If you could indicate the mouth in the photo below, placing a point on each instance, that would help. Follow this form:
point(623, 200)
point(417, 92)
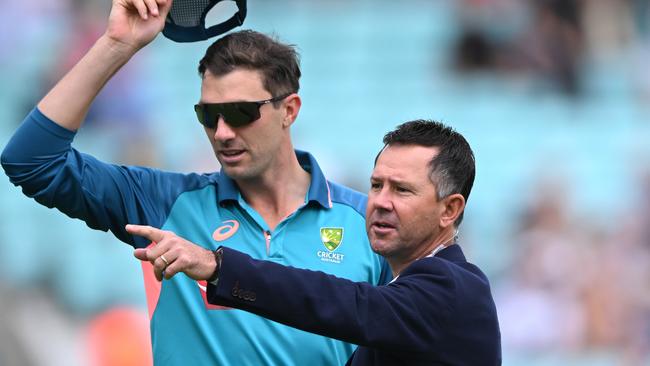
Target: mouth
point(382, 227)
point(231, 155)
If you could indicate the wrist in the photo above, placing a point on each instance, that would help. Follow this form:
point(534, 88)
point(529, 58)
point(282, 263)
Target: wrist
point(117, 48)
point(218, 255)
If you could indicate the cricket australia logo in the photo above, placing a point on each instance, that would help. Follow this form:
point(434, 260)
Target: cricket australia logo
point(331, 237)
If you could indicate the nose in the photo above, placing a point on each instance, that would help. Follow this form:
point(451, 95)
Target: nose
point(222, 131)
point(381, 199)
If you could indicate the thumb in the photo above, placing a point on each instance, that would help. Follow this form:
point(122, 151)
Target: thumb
point(141, 254)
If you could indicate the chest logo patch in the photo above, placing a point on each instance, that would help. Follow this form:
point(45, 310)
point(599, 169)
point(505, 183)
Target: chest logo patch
point(225, 231)
point(331, 237)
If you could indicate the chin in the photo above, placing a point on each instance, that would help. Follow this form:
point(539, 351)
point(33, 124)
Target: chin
point(237, 172)
point(380, 247)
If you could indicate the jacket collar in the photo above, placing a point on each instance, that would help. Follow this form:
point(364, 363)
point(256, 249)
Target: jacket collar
point(452, 253)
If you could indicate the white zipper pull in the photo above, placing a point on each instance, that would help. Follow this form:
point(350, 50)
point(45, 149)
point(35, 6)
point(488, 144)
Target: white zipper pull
point(267, 236)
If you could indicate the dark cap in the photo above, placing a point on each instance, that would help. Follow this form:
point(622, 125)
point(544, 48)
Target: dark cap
point(186, 20)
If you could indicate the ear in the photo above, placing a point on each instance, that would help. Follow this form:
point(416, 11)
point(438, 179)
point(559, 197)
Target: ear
point(291, 107)
point(453, 206)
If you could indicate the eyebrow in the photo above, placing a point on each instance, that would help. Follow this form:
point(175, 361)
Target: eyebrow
point(390, 179)
point(204, 102)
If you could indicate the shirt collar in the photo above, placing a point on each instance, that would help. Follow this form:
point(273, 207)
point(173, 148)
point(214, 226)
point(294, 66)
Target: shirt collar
point(319, 190)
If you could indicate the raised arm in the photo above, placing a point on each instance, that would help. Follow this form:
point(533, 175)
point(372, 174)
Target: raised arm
point(40, 159)
point(132, 24)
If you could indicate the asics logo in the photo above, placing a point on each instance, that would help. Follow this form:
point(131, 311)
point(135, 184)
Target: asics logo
point(225, 231)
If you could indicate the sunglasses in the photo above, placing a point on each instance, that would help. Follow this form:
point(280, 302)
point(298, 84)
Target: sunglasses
point(235, 114)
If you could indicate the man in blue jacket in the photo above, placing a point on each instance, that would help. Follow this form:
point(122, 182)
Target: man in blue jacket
point(438, 310)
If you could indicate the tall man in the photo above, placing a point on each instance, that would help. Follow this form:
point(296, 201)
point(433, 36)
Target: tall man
point(437, 311)
point(268, 201)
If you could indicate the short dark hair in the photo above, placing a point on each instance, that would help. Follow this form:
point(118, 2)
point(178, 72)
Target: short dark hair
point(453, 168)
point(277, 62)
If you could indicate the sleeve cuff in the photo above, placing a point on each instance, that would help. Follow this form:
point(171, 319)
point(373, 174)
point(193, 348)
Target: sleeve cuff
point(49, 125)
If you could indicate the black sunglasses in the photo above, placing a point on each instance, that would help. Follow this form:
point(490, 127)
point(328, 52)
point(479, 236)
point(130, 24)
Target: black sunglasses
point(236, 114)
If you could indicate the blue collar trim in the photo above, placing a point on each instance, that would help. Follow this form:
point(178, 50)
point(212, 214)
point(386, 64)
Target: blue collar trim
point(319, 190)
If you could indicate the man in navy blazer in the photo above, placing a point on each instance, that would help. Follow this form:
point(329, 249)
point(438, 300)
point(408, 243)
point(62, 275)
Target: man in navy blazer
point(438, 310)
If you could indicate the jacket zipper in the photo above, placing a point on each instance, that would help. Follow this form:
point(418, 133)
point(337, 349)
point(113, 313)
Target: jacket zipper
point(267, 236)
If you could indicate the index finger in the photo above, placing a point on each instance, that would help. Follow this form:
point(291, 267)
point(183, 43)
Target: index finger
point(148, 232)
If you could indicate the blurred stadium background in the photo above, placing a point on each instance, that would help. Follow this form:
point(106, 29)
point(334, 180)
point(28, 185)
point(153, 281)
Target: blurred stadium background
point(554, 97)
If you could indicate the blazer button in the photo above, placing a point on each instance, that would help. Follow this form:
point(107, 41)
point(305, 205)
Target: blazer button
point(235, 290)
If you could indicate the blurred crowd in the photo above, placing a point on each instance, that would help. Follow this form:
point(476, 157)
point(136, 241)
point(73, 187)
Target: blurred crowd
point(579, 282)
point(573, 286)
point(551, 40)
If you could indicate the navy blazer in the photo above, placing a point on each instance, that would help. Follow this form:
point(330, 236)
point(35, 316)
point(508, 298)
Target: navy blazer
point(439, 311)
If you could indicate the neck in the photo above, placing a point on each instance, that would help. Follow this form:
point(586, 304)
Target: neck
point(279, 191)
point(444, 239)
